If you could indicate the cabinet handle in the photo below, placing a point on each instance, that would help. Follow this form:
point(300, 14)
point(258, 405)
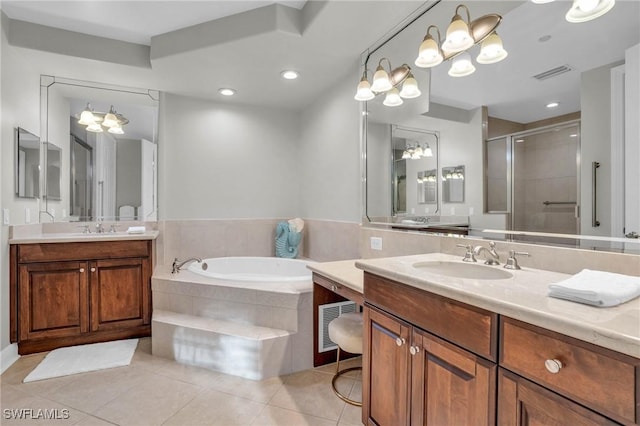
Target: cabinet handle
point(553, 366)
point(334, 288)
point(81, 270)
point(93, 269)
point(400, 341)
point(414, 350)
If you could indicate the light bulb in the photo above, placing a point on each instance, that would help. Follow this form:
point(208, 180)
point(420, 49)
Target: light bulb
point(410, 88)
point(458, 36)
point(462, 66)
point(363, 92)
point(381, 81)
point(429, 54)
point(587, 5)
point(393, 98)
point(491, 50)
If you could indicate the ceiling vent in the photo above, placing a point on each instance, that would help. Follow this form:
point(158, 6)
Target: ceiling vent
point(552, 72)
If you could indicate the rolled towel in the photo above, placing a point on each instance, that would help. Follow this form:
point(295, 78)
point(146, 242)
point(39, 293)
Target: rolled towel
point(296, 225)
point(597, 288)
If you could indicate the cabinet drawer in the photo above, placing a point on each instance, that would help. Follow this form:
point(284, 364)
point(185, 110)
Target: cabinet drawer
point(591, 375)
point(49, 252)
point(472, 328)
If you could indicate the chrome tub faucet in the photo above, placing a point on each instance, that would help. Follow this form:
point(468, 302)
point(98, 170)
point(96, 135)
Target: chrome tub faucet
point(178, 264)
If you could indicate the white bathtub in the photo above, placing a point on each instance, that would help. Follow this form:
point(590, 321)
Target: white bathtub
point(247, 316)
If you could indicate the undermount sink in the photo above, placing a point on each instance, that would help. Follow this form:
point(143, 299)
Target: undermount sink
point(463, 270)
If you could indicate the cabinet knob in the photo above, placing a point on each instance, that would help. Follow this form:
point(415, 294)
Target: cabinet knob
point(81, 270)
point(553, 366)
point(334, 288)
point(93, 269)
point(414, 350)
point(400, 341)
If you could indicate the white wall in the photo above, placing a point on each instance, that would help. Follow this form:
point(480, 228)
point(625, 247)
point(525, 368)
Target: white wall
point(329, 156)
point(227, 161)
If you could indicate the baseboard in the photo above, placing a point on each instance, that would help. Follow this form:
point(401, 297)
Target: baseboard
point(8, 356)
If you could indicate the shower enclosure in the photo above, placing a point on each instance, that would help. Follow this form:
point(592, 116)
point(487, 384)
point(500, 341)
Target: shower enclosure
point(538, 184)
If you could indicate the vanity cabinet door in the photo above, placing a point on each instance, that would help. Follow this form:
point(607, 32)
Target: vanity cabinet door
point(385, 370)
point(53, 300)
point(523, 403)
point(450, 386)
point(120, 293)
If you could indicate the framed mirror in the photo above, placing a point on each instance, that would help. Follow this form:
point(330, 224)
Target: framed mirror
point(428, 187)
point(549, 78)
point(53, 161)
point(108, 137)
point(453, 184)
point(27, 164)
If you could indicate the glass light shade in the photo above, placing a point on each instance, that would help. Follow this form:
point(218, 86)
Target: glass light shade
point(415, 156)
point(586, 10)
point(429, 54)
point(462, 66)
point(95, 128)
point(110, 120)
point(393, 98)
point(458, 36)
point(410, 88)
point(381, 82)
point(86, 118)
point(428, 152)
point(364, 93)
point(491, 50)
point(406, 155)
point(541, 1)
point(419, 152)
point(116, 130)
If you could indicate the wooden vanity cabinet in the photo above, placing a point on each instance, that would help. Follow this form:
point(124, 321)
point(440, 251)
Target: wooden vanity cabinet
point(65, 294)
point(413, 377)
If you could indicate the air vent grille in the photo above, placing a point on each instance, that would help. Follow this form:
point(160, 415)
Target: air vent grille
point(326, 313)
point(553, 72)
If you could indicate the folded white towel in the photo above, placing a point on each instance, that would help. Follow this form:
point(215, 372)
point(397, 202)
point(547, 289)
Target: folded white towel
point(136, 230)
point(597, 288)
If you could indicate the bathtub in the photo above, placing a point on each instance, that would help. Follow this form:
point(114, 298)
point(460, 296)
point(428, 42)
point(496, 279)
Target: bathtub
point(246, 316)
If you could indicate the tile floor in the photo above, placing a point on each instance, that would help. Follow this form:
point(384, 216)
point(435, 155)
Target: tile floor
point(156, 391)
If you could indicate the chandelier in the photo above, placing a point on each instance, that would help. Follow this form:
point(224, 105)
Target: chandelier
point(95, 121)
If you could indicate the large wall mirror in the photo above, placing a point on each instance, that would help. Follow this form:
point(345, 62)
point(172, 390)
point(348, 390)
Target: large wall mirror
point(106, 137)
point(551, 103)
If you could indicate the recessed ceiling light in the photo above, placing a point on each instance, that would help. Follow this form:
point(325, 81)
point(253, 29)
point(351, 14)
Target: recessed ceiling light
point(289, 74)
point(552, 104)
point(544, 38)
point(226, 92)
point(519, 140)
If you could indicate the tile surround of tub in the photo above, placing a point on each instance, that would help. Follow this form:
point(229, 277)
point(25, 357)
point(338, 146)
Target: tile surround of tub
point(329, 240)
point(557, 259)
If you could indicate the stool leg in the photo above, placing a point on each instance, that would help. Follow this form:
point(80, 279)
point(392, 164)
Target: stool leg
point(335, 378)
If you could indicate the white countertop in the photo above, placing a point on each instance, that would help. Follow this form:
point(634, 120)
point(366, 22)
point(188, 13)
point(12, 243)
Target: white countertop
point(78, 237)
point(522, 297)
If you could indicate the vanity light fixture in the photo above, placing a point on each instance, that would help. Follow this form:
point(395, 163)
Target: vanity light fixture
point(387, 81)
point(416, 151)
point(585, 10)
point(461, 36)
point(97, 121)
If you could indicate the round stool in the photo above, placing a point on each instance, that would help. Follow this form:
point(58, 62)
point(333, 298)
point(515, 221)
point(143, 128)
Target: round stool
point(346, 332)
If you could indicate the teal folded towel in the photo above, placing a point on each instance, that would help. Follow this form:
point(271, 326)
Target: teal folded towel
point(597, 288)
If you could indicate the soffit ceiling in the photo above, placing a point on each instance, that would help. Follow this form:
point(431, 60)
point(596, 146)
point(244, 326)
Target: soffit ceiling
point(199, 46)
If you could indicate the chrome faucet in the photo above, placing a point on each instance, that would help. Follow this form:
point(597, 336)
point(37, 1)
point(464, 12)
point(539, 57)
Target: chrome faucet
point(469, 256)
point(493, 260)
point(178, 264)
point(53, 218)
point(99, 228)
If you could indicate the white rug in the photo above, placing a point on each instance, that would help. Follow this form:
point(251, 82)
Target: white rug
point(83, 358)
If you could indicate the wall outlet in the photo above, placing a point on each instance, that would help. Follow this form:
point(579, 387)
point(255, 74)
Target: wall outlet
point(27, 215)
point(376, 243)
point(5, 216)
point(64, 212)
point(452, 211)
point(426, 210)
point(53, 212)
point(470, 211)
point(413, 210)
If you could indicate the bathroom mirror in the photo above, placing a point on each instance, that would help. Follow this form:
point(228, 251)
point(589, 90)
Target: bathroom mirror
point(53, 161)
point(108, 174)
point(466, 111)
point(453, 184)
point(27, 164)
point(428, 187)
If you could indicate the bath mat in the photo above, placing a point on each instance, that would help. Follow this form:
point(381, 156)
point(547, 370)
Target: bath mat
point(84, 358)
